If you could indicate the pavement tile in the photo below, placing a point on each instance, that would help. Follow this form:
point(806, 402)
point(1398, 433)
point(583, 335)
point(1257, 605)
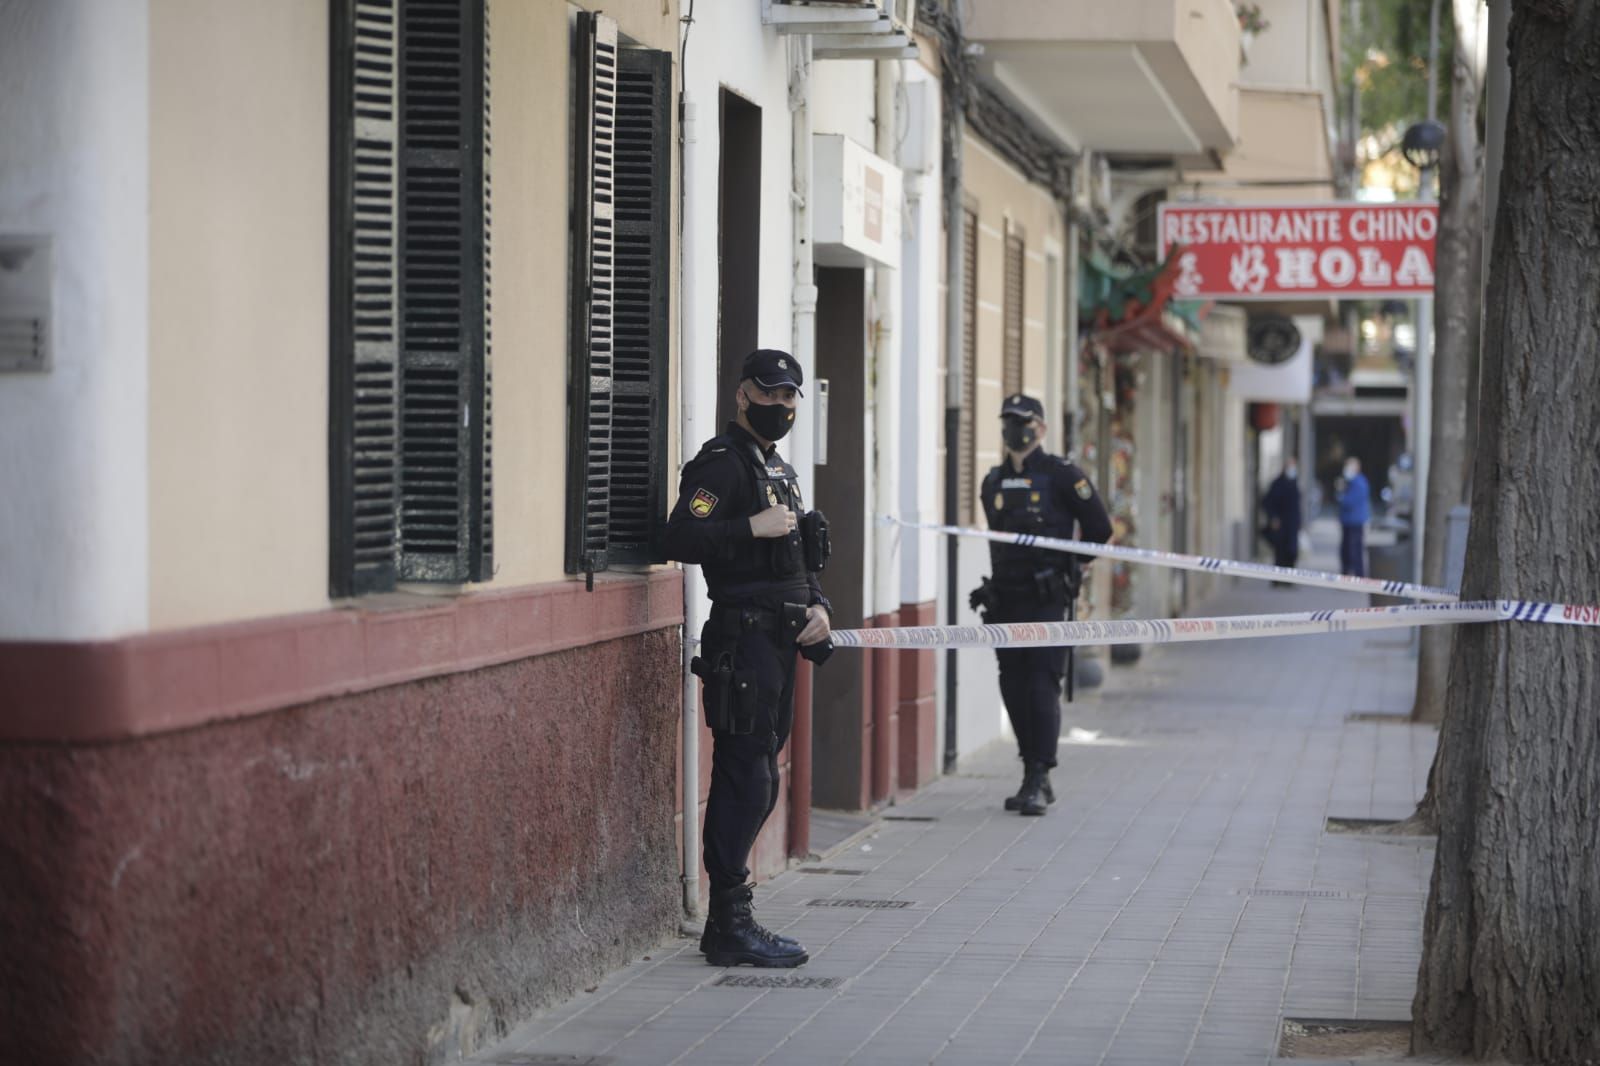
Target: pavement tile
point(1169, 909)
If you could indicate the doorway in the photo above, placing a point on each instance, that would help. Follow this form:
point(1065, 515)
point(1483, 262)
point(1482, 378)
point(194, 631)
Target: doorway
point(738, 244)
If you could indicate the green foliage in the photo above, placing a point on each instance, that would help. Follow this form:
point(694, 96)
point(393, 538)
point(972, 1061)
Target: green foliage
point(1388, 55)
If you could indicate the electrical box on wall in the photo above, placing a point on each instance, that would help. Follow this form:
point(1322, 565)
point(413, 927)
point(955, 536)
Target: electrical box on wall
point(24, 303)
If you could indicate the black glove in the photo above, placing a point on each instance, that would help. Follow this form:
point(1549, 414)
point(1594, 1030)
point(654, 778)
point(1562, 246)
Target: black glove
point(983, 598)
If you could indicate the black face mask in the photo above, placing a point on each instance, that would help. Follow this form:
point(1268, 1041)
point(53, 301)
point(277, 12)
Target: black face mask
point(771, 421)
point(1019, 436)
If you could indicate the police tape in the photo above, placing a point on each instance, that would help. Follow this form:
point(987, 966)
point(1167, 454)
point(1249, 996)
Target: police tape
point(1260, 571)
point(1233, 627)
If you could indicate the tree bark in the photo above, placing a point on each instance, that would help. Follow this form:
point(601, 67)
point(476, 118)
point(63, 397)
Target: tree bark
point(1511, 953)
point(1457, 308)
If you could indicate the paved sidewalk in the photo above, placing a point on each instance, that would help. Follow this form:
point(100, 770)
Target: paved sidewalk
point(1180, 899)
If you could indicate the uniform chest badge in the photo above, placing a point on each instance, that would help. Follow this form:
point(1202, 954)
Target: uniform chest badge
point(772, 495)
point(1034, 496)
point(999, 501)
point(702, 504)
point(1083, 488)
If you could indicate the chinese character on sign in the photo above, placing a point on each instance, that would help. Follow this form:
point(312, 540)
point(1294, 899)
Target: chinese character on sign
point(1189, 279)
point(1247, 269)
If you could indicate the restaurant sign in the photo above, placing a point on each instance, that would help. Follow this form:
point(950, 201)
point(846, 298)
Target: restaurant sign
point(1284, 251)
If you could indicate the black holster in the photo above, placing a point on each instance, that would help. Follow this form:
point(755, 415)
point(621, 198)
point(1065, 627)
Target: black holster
point(729, 696)
point(814, 542)
point(1059, 584)
point(1051, 586)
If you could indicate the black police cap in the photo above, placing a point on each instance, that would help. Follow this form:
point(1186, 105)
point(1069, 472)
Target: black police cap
point(1020, 406)
point(771, 369)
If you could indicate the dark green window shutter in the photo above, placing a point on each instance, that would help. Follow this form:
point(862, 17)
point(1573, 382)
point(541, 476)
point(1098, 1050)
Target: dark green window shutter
point(641, 316)
point(590, 279)
point(410, 466)
point(364, 302)
point(442, 365)
point(620, 287)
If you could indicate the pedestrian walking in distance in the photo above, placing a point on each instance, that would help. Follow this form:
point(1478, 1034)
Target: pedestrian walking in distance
point(1032, 491)
point(1282, 507)
point(1355, 510)
point(740, 516)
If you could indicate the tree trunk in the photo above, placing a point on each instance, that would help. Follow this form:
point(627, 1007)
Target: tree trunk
point(1511, 952)
point(1457, 308)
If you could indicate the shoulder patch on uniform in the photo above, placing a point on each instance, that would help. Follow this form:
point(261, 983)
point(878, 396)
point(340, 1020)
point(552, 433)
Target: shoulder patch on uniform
point(1085, 490)
point(702, 504)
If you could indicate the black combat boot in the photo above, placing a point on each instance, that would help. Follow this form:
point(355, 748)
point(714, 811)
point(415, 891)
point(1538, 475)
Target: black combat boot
point(1036, 795)
point(706, 937)
point(733, 937)
point(1014, 802)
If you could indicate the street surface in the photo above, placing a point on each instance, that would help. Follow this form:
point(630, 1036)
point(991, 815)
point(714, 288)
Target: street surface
point(1181, 898)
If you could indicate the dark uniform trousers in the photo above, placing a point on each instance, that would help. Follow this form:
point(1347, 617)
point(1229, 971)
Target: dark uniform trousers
point(1030, 678)
point(744, 766)
point(749, 580)
point(1046, 496)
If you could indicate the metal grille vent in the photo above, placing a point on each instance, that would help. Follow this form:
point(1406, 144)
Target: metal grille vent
point(865, 904)
point(774, 981)
point(24, 341)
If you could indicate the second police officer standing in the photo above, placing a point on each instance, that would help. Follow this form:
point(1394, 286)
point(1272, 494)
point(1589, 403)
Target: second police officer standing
point(740, 516)
point(1032, 491)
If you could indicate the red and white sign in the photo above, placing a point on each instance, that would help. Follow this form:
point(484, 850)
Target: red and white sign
point(1287, 251)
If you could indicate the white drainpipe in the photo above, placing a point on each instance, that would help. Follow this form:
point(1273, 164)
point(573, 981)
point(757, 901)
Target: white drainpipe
point(886, 370)
point(690, 800)
point(805, 287)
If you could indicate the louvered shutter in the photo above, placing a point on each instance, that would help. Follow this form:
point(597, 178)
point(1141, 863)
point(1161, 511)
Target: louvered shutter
point(1011, 349)
point(592, 317)
point(481, 565)
point(968, 469)
point(640, 315)
point(442, 374)
point(364, 303)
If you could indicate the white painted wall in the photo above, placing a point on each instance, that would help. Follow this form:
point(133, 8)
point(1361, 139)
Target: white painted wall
point(74, 163)
point(922, 335)
point(728, 46)
point(843, 94)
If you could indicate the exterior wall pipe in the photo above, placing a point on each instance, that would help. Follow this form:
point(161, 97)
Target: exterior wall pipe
point(886, 369)
point(886, 444)
point(690, 787)
point(804, 349)
point(954, 131)
point(1070, 344)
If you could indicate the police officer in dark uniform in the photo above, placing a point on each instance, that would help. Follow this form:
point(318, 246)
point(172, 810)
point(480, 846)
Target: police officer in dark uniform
point(1032, 491)
point(740, 516)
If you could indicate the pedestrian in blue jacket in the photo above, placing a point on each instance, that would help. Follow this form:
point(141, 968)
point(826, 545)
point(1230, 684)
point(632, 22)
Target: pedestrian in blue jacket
point(1355, 510)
